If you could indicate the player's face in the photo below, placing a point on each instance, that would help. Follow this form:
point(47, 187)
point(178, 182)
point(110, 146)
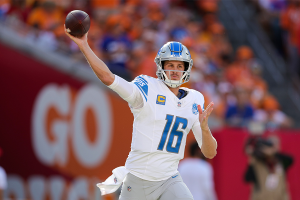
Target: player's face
point(174, 65)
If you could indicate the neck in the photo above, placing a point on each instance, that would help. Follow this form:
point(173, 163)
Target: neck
point(174, 90)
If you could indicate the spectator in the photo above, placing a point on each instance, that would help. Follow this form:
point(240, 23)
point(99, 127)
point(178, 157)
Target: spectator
point(259, 87)
point(116, 46)
point(269, 17)
point(103, 4)
point(197, 174)
point(147, 50)
point(239, 71)
point(4, 7)
point(46, 17)
point(290, 21)
point(3, 181)
point(270, 114)
point(220, 47)
point(267, 168)
point(241, 112)
point(19, 10)
point(42, 39)
point(208, 6)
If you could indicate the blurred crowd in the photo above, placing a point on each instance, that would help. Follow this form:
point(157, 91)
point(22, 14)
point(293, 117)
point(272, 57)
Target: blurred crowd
point(281, 19)
point(127, 35)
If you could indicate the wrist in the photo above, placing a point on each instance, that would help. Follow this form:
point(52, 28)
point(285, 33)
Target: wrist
point(205, 128)
point(83, 46)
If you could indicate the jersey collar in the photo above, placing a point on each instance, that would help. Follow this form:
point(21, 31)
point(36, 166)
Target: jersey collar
point(174, 98)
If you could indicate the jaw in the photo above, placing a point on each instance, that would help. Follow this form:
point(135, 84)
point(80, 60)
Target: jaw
point(174, 79)
point(172, 82)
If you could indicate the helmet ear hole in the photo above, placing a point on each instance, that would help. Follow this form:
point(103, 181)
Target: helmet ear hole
point(163, 64)
point(186, 66)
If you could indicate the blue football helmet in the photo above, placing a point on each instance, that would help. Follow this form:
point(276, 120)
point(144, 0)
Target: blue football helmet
point(173, 51)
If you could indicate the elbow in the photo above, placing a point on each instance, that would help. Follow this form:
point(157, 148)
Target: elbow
point(107, 78)
point(210, 155)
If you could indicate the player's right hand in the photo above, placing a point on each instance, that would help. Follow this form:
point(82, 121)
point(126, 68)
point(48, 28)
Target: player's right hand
point(79, 41)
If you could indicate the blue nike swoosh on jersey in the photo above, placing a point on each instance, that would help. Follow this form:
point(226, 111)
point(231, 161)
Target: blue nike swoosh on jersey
point(174, 176)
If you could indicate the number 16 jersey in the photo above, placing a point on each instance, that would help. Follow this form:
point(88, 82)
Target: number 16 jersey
point(160, 129)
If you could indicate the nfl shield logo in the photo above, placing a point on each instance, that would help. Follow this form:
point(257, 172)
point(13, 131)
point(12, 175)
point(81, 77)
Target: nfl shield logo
point(115, 180)
point(179, 104)
point(195, 109)
point(129, 188)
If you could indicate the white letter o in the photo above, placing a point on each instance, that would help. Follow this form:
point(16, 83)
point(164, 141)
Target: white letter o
point(91, 154)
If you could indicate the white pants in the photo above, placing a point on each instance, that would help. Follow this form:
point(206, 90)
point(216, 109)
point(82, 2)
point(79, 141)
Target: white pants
point(135, 188)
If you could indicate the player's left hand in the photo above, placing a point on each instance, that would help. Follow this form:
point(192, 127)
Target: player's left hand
point(203, 115)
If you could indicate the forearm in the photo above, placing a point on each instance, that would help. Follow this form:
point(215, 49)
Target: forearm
point(209, 144)
point(98, 66)
point(205, 140)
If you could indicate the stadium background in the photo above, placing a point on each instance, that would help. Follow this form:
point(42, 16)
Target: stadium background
point(62, 131)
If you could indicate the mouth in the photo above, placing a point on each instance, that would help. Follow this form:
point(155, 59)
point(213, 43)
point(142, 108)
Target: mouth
point(176, 77)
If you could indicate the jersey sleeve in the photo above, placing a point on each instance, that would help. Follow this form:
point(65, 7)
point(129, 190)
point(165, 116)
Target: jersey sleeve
point(127, 91)
point(142, 85)
point(197, 131)
point(199, 101)
point(196, 128)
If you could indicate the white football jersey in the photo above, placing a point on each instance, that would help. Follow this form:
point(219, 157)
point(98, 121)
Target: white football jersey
point(160, 129)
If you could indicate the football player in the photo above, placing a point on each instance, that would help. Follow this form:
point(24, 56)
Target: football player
point(164, 113)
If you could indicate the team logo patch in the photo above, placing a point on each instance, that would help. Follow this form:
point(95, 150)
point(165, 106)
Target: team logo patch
point(129, 189)
point(115, 180)
point(195, 109)
point(142, 84)
point(161, 100)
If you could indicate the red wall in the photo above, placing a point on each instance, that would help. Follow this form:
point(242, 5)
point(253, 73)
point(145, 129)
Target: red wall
point(231, 162)
point(22, 80)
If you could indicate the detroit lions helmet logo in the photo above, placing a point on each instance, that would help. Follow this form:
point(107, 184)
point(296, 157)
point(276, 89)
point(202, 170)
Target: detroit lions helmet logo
point(195, 109)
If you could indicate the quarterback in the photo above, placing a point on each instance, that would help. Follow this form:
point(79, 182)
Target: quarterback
point(164, 113)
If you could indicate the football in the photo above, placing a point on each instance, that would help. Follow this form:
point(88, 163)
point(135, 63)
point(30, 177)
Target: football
point(77, 23)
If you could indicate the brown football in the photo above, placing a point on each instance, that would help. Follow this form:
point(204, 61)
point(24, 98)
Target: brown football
point(77, 23)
